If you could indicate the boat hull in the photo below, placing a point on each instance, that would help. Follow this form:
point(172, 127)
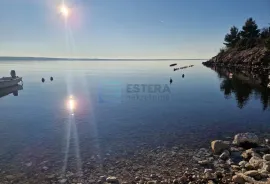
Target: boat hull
point(5, 83)
point(9, 90)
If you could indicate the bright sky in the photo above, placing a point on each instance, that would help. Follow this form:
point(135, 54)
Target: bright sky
point(123, 28)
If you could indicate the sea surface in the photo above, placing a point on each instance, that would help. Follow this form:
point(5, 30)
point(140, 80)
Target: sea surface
point(114, 107)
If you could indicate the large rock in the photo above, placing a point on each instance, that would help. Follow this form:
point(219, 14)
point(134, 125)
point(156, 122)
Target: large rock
point(238, 179)
point(204, 162)
point(256, 162)
point(252, 173)
point(10, 177)
point(112, 179)
point(249, 153)
point(266, 166)
point(219, 146)
point(248, 166)
point(266, 157)
point(242, 163)
point(246, 139)
point(208, 174)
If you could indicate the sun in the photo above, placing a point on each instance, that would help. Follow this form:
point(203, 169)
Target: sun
point(64, 10)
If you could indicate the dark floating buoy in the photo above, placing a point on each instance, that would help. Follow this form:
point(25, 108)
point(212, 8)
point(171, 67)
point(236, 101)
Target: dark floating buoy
point(43, 80)
point(183, 75)
point(51, 78)
point(174, 64)
point(171, 80)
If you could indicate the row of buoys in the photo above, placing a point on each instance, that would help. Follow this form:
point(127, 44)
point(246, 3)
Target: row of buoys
point(175, 69)
point(184, 67)
point(174, 64)
point(183, 75)
point(43, 80)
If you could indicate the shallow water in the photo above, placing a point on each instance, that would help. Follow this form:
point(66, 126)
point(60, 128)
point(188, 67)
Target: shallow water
point(106, 116)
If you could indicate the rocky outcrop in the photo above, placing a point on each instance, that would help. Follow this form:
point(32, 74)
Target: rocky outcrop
point(257, 56)
point(250, 65)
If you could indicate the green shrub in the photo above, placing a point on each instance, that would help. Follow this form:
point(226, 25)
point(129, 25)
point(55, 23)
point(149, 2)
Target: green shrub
point(232, 38)
point(250, 29)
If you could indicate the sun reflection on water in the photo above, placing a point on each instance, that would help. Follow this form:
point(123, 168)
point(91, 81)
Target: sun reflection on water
point(71, 104)
point(72, 135)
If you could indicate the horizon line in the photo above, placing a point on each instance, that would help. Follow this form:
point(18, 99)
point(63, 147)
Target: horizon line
point(82, 59)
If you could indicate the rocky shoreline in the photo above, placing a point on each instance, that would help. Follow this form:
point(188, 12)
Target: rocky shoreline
point(244, 159)
point(255, 59)
point(253, 63)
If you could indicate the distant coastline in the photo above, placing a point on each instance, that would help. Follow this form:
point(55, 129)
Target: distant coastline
point(10, 58)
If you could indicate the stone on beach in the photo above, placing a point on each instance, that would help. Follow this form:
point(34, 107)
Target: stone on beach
point(63, 181)
point(219, 146)
point(238, 179)
point(29, 164)
point(112, 179)
point(248, 166)
point(252, 173)
point(247, 154)
point(266, 166)
point(246, 139)
point(256, 162)
point(225, 155)
point(10, 177)
point(204, 162)
point(266, 157)
point(242, 163)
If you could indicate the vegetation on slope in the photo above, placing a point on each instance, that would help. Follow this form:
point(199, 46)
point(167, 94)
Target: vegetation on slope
point(250, 36)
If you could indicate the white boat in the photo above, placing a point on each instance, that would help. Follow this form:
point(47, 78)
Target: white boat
point(9, 81)
point(268, 85)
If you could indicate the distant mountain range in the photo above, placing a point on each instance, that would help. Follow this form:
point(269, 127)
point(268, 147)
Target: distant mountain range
point(8, 58)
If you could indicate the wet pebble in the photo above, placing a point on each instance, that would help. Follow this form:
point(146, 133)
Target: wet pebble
point(10, 177)
point(63, 180)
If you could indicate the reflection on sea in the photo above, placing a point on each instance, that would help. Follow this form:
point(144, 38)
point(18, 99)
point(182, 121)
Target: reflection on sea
point(13, 89)
point(243, 85)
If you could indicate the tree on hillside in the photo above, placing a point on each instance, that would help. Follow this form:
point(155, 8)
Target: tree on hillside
point(250, 29)
point(232, 38)
point(249, 35)
point(265, 33)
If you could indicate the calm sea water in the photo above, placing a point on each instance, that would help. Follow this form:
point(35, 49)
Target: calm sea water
point(106, 116)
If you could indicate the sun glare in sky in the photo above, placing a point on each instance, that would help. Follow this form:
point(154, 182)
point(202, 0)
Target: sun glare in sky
point(64, 10)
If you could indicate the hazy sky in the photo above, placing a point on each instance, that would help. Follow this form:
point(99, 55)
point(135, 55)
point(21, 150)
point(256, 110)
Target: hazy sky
point(123, 28)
